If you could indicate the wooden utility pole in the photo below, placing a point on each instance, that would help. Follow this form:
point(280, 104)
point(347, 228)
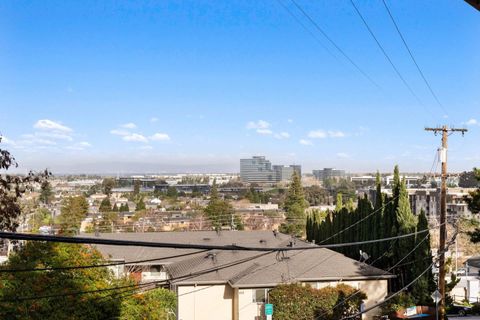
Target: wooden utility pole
point(446, 131)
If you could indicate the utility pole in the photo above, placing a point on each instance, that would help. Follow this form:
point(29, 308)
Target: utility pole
point(446, 131)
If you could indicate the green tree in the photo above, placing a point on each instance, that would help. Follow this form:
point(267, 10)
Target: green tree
point(172, 192)
point(73, 211)
point(105, 205)
point(473, 201)
point(425, 286)
point(295, 206)
point(12, 188)
point(100, 305)
point(107, 185)
point(156, 304)
point(46, 192)
point(136, 187)
point(140, 205)
point(339, 202)
point(40, 217)
point(219, 211)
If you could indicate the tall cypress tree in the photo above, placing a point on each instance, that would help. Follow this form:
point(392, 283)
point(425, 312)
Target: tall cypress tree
point(425, 286)
point(407, 223)
point(380, 247)
point(339, 202)
point(295, 206)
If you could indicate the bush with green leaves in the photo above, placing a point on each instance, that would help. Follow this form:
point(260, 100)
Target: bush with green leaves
point(296, 301)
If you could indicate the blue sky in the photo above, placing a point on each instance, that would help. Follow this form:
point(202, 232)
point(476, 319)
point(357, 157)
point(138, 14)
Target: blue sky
point(122, 86)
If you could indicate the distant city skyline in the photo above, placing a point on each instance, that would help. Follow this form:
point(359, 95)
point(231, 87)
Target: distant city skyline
point(194, 87)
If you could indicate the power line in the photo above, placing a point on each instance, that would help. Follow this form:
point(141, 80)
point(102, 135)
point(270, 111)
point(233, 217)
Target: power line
point(317, 26)
point(452, 241)
point(413, 58)
point(387, 56)
point(305, 28)
point(233, 247)
point(385, 272)
point(98, 265)
point(187, 276)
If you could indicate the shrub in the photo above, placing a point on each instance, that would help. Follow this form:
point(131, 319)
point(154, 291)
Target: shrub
point(294, 301)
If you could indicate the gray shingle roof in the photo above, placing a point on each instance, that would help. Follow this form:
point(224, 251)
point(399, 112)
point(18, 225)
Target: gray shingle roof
point(242, 268)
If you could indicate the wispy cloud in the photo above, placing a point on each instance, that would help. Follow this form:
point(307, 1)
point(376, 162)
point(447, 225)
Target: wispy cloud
point(129, 125)
point(120, 132)
point(153, 119)
point(264, 131)
point(343, 155)
point(135, 137)
point(282, 135)
point(260, 124)
point(472, 122)
point(160, 137)
point(46, 124)
point(322, 134)
point(305, 142)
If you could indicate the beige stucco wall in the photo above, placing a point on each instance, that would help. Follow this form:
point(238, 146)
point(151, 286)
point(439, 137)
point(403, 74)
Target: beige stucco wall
point(205, 302)
point(247, 309)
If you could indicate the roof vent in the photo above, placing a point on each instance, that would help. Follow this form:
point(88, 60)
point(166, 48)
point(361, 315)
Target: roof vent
point(206, 239)
point(263, 241)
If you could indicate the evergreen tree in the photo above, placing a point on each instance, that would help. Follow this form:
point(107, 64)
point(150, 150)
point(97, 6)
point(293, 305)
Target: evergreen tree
point(295, 206)
point(380, 247)
point(105, 205)
point(219, 211)
point(73, 211)
point(46, 192)
point(115, 207)
point(140, 205)
point(425, 286)
point(407, 223)
point(339, 202)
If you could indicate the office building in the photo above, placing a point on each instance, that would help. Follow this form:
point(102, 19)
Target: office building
point(329, 173)
point(260, 170)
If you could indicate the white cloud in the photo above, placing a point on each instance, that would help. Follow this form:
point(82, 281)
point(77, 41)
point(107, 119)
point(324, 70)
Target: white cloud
point(282, 135)
point(343, 155)
point(54, 135)
point(160, 137)
point(84, 144)
point(153, 119)
point(120, 132)
point(306, 142)
point(472, 122)
point(135, 137)
point(129, 125)
point(264, 131)
point(322, 134)
point(46, 124)
point(317, 134)
point(146, 148)
point(259, 125)
point(290, 120)
point(336, 134)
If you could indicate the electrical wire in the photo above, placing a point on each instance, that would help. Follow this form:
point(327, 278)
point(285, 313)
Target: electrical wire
point(317, 26)
point(451, 242)
point(234, 247)
point(385, 273)
point(400, 76)
point(98, 265)
point(187, 276)
point(413, 58)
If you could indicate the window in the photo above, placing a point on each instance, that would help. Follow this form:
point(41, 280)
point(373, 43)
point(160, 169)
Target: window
point(260, 295)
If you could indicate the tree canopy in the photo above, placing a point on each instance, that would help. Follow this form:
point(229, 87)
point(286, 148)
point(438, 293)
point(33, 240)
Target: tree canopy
point(73, 211)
